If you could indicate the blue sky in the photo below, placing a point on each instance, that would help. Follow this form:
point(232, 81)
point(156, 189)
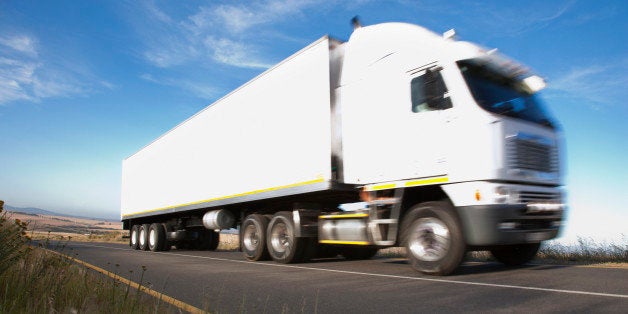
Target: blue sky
point(84, 84)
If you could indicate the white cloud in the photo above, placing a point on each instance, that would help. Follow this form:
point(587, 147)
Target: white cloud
point(197, 88)
point(221, 32)
point(516, 20)
point(240, 18)
point(24, 74)
point(20, 43)
point(598, 85)
point(234, 53)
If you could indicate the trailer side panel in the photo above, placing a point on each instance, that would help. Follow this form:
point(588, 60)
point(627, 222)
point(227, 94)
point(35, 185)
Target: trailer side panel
point(271, 136)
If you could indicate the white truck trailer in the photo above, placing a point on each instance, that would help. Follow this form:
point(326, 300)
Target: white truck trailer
point(443, 146)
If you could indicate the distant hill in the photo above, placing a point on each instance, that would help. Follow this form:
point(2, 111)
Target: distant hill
point(30, 210)
point(39, 211)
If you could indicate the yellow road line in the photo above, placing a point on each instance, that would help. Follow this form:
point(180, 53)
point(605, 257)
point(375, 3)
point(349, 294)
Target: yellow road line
point(180, 304)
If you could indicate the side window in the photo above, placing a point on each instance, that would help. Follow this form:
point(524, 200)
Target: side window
point(428, 92)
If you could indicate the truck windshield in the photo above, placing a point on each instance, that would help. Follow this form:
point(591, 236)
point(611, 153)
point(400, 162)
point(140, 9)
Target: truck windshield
point(503, 95)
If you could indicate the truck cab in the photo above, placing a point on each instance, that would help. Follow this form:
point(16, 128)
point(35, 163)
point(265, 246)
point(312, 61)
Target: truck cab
point(450, 122)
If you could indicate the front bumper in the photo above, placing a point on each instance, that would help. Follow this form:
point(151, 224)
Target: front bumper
point(500, 224)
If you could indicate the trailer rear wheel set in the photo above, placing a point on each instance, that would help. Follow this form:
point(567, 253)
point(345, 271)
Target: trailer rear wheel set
point(154, 237)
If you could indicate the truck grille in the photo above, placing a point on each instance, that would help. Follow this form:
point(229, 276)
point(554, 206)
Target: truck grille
point(528, 154)
point(538, 197)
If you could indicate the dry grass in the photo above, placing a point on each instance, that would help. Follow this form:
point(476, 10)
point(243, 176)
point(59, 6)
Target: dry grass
point(66, 225)
point(229, 242)
point(108, 237)
point(33, 280)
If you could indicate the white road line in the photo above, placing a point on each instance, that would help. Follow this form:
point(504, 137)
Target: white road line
point(469, 283)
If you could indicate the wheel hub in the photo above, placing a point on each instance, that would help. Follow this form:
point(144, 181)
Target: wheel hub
point(280, 238)
point(251, 238)
point(430, 239)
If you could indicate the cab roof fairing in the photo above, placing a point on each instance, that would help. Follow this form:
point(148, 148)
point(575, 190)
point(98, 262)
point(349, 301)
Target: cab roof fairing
point(369, 44)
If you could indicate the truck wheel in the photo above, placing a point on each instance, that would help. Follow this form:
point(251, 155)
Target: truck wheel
point(208, 240)
point(134, 237)
point(433, 238)
point(253, 237)
point(143, 237)
point(358, 252)
point(282, 244)
point(156, 237)
point(167, 244)
point(517, 254)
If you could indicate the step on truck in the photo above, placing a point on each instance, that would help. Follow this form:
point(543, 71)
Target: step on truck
point(398, 137)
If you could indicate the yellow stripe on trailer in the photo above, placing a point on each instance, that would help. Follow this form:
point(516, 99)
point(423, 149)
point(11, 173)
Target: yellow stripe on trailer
point(344, 242)
point(319, 180)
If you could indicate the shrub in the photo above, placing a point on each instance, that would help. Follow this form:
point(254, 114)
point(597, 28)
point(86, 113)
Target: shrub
point(13, 239)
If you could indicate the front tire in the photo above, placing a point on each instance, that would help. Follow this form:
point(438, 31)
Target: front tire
point(433, 238)
point(253, 237)
point(516, 254)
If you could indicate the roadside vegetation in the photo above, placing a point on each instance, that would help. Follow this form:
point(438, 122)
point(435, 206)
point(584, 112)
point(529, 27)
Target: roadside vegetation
point(108, 237)
point(586, 251)
point(34, 280)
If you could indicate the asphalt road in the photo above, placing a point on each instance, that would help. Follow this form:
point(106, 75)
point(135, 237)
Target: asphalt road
point(225, 282)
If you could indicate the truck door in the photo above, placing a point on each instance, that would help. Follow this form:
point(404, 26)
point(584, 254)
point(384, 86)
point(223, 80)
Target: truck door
point(426, 125)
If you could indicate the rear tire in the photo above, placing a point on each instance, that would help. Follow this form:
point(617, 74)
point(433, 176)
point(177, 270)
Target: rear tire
point(282, 244)
point(156, 237)
point(516, 254)
point(143, 237)
point(167, 244)
point(134, 237)
point(208, 240)
point(433, 238)
point(253, 237)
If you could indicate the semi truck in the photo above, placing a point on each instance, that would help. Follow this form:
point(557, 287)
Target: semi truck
point(398, 137)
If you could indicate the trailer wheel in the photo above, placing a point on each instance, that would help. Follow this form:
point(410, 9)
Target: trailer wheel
point(134, 237)
point(433, 238)
point(517, 254)
point(253, 237)
point(167, 244)
point(282, 244)
point(208, 240)
point(143, 237)
point(156, 237)
point(358, 252)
